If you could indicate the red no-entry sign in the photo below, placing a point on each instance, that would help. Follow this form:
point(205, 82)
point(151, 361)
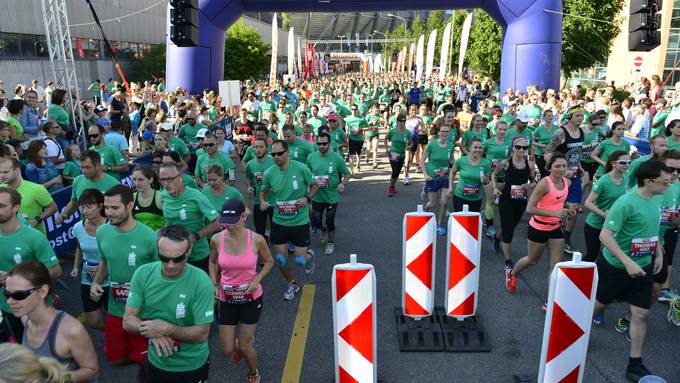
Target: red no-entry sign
point(637, 61)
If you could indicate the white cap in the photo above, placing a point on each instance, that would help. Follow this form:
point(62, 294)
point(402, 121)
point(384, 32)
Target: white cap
point(167, 126)
point(201, 133)
point(523, 116)
point(672, 116)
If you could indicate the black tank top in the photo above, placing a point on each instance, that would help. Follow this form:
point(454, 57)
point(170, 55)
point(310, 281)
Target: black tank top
point(572, 148)
point(151, 208)
point(515, 177)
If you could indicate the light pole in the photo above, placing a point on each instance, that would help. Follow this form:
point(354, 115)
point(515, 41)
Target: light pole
point(341, 37)
point(383, 34)
point(400, 18)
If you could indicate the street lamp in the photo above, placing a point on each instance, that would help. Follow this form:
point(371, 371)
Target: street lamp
point(400, 18)
point(384, 35)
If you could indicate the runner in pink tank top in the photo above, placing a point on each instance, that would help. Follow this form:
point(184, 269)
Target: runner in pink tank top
point(234, 255)
point(546, 205)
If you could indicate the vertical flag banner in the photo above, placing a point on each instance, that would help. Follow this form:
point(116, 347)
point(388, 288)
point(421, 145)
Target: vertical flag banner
point(430, 53)
point(404, 57)
point(464, 36)
point(354, 322)
point(377, 63)
point(299, 58)
point(444, 56)
point(411, 52)
point(420, 57)
point(291, 51)
point(275, 51)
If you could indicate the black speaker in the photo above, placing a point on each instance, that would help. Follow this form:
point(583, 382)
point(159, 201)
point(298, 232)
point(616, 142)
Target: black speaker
point(184, 23)
point(644, 23)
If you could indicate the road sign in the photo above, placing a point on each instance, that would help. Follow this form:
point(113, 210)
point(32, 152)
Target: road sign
point(637, 64)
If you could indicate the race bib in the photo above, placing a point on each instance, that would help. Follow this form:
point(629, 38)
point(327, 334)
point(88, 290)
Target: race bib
point(394, 156)
point(90, 270)
point(120, 292)
point(355, 131)
point(494, 163)
point(441, 172)
point(667, 216)
point(643, 247)
point(287, 208)
point(470, 190)
point(237, 294)
point(258, 178)
point(518, 192)
point(323, 181)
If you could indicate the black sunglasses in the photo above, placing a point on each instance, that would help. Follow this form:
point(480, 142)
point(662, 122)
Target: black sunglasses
point(277, 154)
point(21, 294)
point(208, 145)
point(178, 259)
point(520, 147)
point(670, 168)
point(322, 143)
point(93, 135)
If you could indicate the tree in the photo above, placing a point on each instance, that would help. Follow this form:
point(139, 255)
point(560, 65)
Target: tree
point(151, 64)
point(246, 55)
point(484, 46)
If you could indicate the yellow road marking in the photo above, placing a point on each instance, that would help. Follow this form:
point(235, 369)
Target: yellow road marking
point(296, 348)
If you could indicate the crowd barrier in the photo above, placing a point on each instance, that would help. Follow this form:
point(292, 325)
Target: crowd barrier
point(462, 263)
point(418, 259)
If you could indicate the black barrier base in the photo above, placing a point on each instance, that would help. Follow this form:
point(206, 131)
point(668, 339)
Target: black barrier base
point(418, 335)
point(467, 335)
point(523, 378)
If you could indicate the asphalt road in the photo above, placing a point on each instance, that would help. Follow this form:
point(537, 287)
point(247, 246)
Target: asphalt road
point(369, 224)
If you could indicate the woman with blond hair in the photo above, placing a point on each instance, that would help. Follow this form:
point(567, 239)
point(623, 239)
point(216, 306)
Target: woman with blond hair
point(18, 364)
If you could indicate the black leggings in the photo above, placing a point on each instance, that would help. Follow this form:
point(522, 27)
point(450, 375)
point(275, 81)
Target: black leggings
point(593, 245)
point(318, 209)
point(540, 162)
point(260, 218)
point(396, 167)
point(511, 211)
point(472, 205)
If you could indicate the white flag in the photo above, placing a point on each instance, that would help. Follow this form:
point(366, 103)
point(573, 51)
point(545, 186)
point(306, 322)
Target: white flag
point(299, 59)
point(377, 63)
point(420, 57)
point(444, 57)
point(291, 51)
point(464, 35)
point(430, 53)
point(275, 51)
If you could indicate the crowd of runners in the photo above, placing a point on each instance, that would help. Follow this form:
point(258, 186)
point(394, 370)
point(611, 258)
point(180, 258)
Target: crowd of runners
point(218, 196)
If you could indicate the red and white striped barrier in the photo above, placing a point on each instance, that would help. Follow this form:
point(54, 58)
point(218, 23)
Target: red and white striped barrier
point(571, 300)
point(418, 260)
point(462, 263)
point(354, 322)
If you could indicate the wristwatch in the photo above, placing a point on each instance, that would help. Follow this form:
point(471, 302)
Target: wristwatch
point(309, 199)
point(38, 219)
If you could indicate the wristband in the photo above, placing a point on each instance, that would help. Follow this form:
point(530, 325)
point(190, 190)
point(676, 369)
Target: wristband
point(308, 199)
point(197, 236)
point(38, 219)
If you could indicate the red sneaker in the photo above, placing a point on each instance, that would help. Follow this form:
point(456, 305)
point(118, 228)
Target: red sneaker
point(510, 283)
point(236, 357)
point(391, 191)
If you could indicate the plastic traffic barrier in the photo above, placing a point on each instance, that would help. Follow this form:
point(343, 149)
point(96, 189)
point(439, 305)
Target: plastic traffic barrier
point(571, 299)
point(354, 322)
point(418, 263)
point(462, 263)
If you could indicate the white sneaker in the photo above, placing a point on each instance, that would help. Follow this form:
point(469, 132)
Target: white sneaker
point(330, 248)
point(310, 266)
point(406, 181)
point(291, 290)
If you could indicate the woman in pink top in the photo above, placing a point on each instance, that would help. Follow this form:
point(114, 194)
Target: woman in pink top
point(234, 255)
point(546, 204)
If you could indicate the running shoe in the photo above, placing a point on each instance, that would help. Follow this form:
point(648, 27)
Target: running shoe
point(291, 247)
point(491, 232)
point(441, 230)
point(667, 295)
point(236, 357)
point(510, 282)
point(418, 169)
point(315, 230)
point(330, 248)
point(375, 166)
point(496, 244)
point(507, 268)
point(254, 378)
point(310, 266)
point(391, 191)
point(622, 326)
point(406, 181)
point(635, 372)
point(569, 249)
point(598, 319)
point(323, 236)
point(292, 289)
point(674, 312)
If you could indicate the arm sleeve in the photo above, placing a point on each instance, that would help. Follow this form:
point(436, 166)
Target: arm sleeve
point(44, 252)
point(136, 297)
point(616, 216)
point(204, 302)
point(43, 196)
point(206, 207)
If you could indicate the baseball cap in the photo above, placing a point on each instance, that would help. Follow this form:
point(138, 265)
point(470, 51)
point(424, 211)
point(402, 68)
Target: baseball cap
point(100, 109)
point(332, 116)
point(232, 210)
point(523, 116)
point(167, 126)
point(201, 133)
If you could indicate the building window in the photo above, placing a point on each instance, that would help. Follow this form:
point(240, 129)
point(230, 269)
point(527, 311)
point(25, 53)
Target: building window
point(671, 70)
point(27, 43)
point(10, 46)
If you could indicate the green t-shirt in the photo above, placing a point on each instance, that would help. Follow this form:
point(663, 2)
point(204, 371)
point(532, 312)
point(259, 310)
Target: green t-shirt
point(635, 223)
point(191, 210)
point(183, 301)
point(669, 208)
point(469, 134)
point(96, 89)
point(469, 185)
point(596, 135)
point(72, 169)
point(16, 124)
point(398, 140)
point(438, 159)
point(82, 183)
point(496, 152)
point(543, 136)
point(355, 126)
point(337, 138)
point(658, 122)
point(34, 198)
point(634, 165)
point(534, 111)
point(177, 145)
point(255, 173)
point(327, 171)
point(299, 150)
point(607, 192)
point(110, 157)
point(509, 118)
point(372, 121)
point(58, 114)
point(124, 252)
point(218, 200)
point(316, 122)
point(526, 133)
point(287, 186)
point(672, 144)
point(188, 132)
point(23, 245)
point(607, 147)
point(203, 162)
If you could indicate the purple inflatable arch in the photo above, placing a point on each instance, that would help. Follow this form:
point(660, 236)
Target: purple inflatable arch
point(532, 38)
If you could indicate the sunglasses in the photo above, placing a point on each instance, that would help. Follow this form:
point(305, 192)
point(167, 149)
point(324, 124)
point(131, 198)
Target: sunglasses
point(178, 259)
point(521, 147)
point(21, 294)
point(278, 154)
point(673, 170)
point(93, 135)
point(208, 145)
point(157, 162)
point(401, 120)
point(625, 162)
point(322, 143)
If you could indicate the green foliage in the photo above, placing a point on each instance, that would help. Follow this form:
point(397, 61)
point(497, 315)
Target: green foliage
point(484, 46)
point(246, 55)
point(285, 24)
point(152, 64)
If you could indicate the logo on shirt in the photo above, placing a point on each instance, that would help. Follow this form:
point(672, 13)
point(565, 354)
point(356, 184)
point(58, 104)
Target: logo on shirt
point(17, 256)
point(209, 313)
point(180, 311)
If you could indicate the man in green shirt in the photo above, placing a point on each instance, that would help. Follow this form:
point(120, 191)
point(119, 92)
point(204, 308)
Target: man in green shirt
point(298, 149)
point(187, 132)
point(112, 160)
point(292, 188)
point(93, 177)
point(660, 117)
point(255, 169)
point(213, 156)
point(331, 175)
point(171, 304)
point(124, 245)
point(21, 243)
point(189, 208)
point(632, 254)
point(36, 202)
point(174, 143)
point(96, 89)
point(658, 145)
